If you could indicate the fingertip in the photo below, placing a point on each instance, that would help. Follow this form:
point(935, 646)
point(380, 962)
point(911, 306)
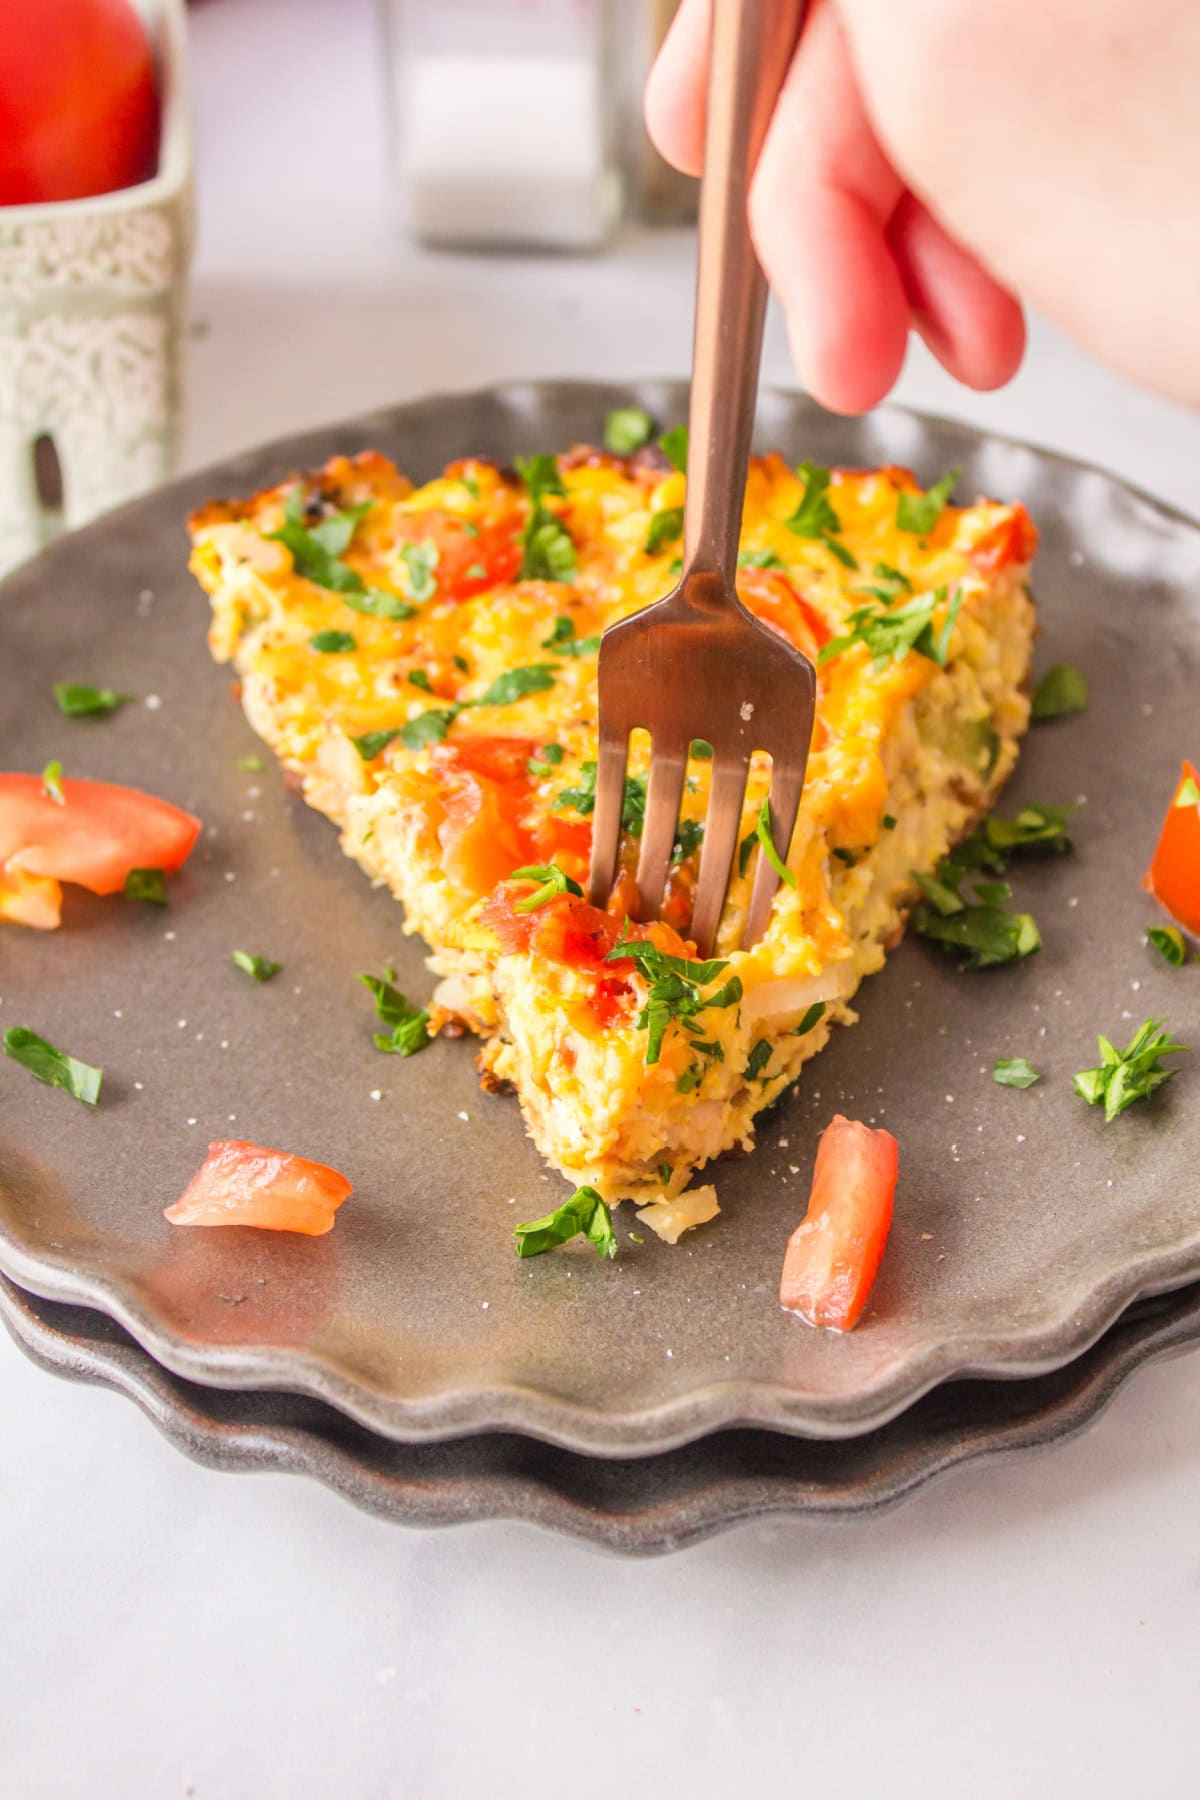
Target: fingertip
point(674, 102)
point(974, 326)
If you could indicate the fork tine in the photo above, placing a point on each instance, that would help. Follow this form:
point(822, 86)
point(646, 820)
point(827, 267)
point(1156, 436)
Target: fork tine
point(611, 758)
point(720, 841)
point(667, 766)
point(787, 781)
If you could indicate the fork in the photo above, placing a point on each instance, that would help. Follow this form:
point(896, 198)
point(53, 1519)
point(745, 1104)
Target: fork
point(697, 664)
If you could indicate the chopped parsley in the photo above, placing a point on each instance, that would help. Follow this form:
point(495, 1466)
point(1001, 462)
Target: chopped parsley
point(1133, 1073)
point(688, 839)
point(551, 882)
point(813, 1016)
point(418, 561)
point(1168, 940)
point(78, 701)
point(146, 884)
point(52, 783)
point(665, 1172)
point(674, 446)
point(1189, 792)
point(54, 1067)
point(582, 799)
point(1014, 1072)
point(563, 641)
point(333, 643)
point(584, 1214)
point(674, 990)
point(665, 527)
point(919, 513)
point(419, 678)
point(746, 850)
point(409, 1024)
point(260, 968)
point(514, 684)
point(547, 551)
point(760, 559)
point(760, 1055)
point(1035, 827)
point(1061, 692)
point(890, 632)
point(317, 556)
point(765, 835)
point(546, 761)
point(626, 429)
point(701, 749)
point(461, 663)
point(251, 764)
point(982, 930)
point(372, 743)
point(845, 856)
point(427, 728)
point(889, 823)
point(814, 516)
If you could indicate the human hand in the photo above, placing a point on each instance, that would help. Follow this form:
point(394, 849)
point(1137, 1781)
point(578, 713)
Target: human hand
point(929, 160)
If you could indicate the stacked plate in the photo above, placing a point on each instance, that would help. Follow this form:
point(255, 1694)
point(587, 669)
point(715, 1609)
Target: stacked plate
point(409, 1359)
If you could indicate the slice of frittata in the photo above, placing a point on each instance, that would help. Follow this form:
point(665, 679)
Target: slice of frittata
point(424, 660)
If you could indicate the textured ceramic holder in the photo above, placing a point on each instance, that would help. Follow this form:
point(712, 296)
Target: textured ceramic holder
point(91, 329)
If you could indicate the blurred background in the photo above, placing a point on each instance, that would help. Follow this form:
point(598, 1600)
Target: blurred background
point(391, 197)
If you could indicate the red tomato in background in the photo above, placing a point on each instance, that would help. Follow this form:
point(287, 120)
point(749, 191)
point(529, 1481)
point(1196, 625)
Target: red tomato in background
point(79, 111)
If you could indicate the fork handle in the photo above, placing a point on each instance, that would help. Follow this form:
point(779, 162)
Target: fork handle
point(752, 45)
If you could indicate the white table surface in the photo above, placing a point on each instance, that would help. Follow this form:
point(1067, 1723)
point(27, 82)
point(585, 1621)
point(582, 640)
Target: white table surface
point(1028, 1626)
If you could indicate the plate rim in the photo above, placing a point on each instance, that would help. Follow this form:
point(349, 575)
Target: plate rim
point(752, 1403)
point(550, 1493)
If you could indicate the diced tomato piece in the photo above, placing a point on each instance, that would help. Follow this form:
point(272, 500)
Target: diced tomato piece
point(567, 842)
point(1012, 542)
point(499, 758)
point(94, 837)
point(470, 561)
point(834, 1255)
point(569, 931)
point(770, 596)
point(243, 1184)
point(481, 835)
point(1174, 875)
point(611, 1000)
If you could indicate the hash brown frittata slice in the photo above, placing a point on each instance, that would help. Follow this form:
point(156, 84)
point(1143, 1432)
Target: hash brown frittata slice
point(424, 661)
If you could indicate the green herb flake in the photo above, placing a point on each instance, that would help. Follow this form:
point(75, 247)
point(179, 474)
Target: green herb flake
point(377, 603)
point(626, 429)
point(746, 851)
point(461, 663)
point(258, 967)
point(373, 743)
point(419, 678)
point(665, 528)
point(540, 475)
point(760, 1055)
point(1014, 1072)
point(1134, 1073)
point(760, 559)
point(1169, 941)
point(584, 1214)
point(674, 984)
point(1061, 692)
point(52, 783)
point(813, 1016)
point(563, 641)
point(551, 881)
point(409, 1025)
point(546, 761)
point(701, 749)
point(333, 643)
point(250, 765)
point(317, 550)
point(814, 516)
point(146, 884)
point(674, 446)
point(846, 856)
point(427, 728)
point(765, 835)
point(890, 632)
point(919, 513)
point(582, 799)
point(547, 551)
point(515, 684)
point(77, 701)
point(1189, 792)
point(418, 561)
point(985, 935)
point(54, 1067)
point(688, 839)
point(889, 823)
point(665, 1172)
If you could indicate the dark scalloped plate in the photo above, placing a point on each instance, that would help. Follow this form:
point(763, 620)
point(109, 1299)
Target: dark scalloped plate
point(638, 1506)
point(1024, 1225)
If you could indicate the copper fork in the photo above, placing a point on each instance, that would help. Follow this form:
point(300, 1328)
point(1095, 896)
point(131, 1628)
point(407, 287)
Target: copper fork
point(697, 664)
